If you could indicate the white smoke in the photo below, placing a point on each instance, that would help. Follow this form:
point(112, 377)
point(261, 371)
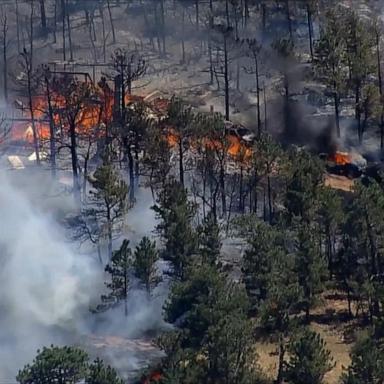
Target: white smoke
point(47, 286)
point(43, 283)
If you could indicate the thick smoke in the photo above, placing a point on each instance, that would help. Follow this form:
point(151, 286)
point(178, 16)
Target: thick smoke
point(43, 283)
point(46, 288)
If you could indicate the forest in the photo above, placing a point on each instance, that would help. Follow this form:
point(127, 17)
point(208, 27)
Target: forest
point(191, 191)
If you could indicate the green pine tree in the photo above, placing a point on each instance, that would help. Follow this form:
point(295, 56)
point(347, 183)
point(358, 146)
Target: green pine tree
point(309, 359)
point(107, 204)
point(99, 373)
point(176, 214)
point(209, 240)
point(144, 264)
point(55, 365)
point(118, 269)
point(367, 362)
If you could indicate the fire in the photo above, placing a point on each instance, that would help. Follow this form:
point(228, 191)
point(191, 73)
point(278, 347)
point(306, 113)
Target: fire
point(101, 110)
point(340, 158)
point(234, 146)
point(154, 377)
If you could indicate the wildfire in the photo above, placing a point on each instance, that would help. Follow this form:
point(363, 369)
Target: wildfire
point(101, 110)
point(340, 158)
point(153, 378)
point(234, 146)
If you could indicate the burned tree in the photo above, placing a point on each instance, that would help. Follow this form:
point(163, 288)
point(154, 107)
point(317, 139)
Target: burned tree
point(180, 120)
point(29, 80)
point(74, 98)
point(4, 43)
point(253, 50)
point(329, 60)
point(224, 43)
point(125, 69)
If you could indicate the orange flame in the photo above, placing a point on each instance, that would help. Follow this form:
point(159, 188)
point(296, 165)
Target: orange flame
point(235, 147)
point(340, 158)
point(154, 377)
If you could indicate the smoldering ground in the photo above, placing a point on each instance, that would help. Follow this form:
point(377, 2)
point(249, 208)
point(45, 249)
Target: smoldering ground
point(47, 287)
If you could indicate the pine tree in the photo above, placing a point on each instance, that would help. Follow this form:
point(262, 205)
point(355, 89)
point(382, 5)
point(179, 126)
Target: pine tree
point(360, 42)
point(257, 261)
point(99, 373)
point(309, 265)
point(187, 298)
point(367, 362)
point(108, 200)
point(304, 177)
point(118, 269)
point(144, 264)
point(309, 359)
point(55, 364)
point(209, 240)
point(330, 57)
point(176, 214)
point(181, 118)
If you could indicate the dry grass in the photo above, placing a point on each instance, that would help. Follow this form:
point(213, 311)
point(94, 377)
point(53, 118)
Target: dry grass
point(329, 321)
point(338, 182)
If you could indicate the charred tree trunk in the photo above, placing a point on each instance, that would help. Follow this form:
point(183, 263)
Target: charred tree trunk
point(182, 36)
point(246, 12)
point(69, 34)
point(55, 22)
point(337, 112)
point(289, 21)
point(43, 16)
point(270, 210)
point(222, 190)
point(103, 32)
point(379, 76)
point(265, 109)
point(227, 13)
point(31, 34)
point(358, 113)
point(163, 25)
point(197, 14)
point(17, 26)
point(33, 123)
point(181, 161)
point(280, 369)
point(52, 134)
point(226, 78)
point(211, 72)
point(131, 168)
point(63, 12)
point(264, 16)
point(109, 230)
point(111, 21)
point(258, 96)
point(74, 161)
point(5, 59)
point(310, 30)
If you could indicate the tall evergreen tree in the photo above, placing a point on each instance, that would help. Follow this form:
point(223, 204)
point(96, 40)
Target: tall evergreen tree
point(55, 364)
point(107, 204)
point(309, 359)
point(176, 214)
point(99, 373)
point(367, 362)
point(330, 58)
point(118, 269)
point(309, 265)
point(144, 264)
point(209, 240)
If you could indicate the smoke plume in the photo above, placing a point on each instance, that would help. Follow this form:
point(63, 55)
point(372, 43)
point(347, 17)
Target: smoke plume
point(47, 286)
